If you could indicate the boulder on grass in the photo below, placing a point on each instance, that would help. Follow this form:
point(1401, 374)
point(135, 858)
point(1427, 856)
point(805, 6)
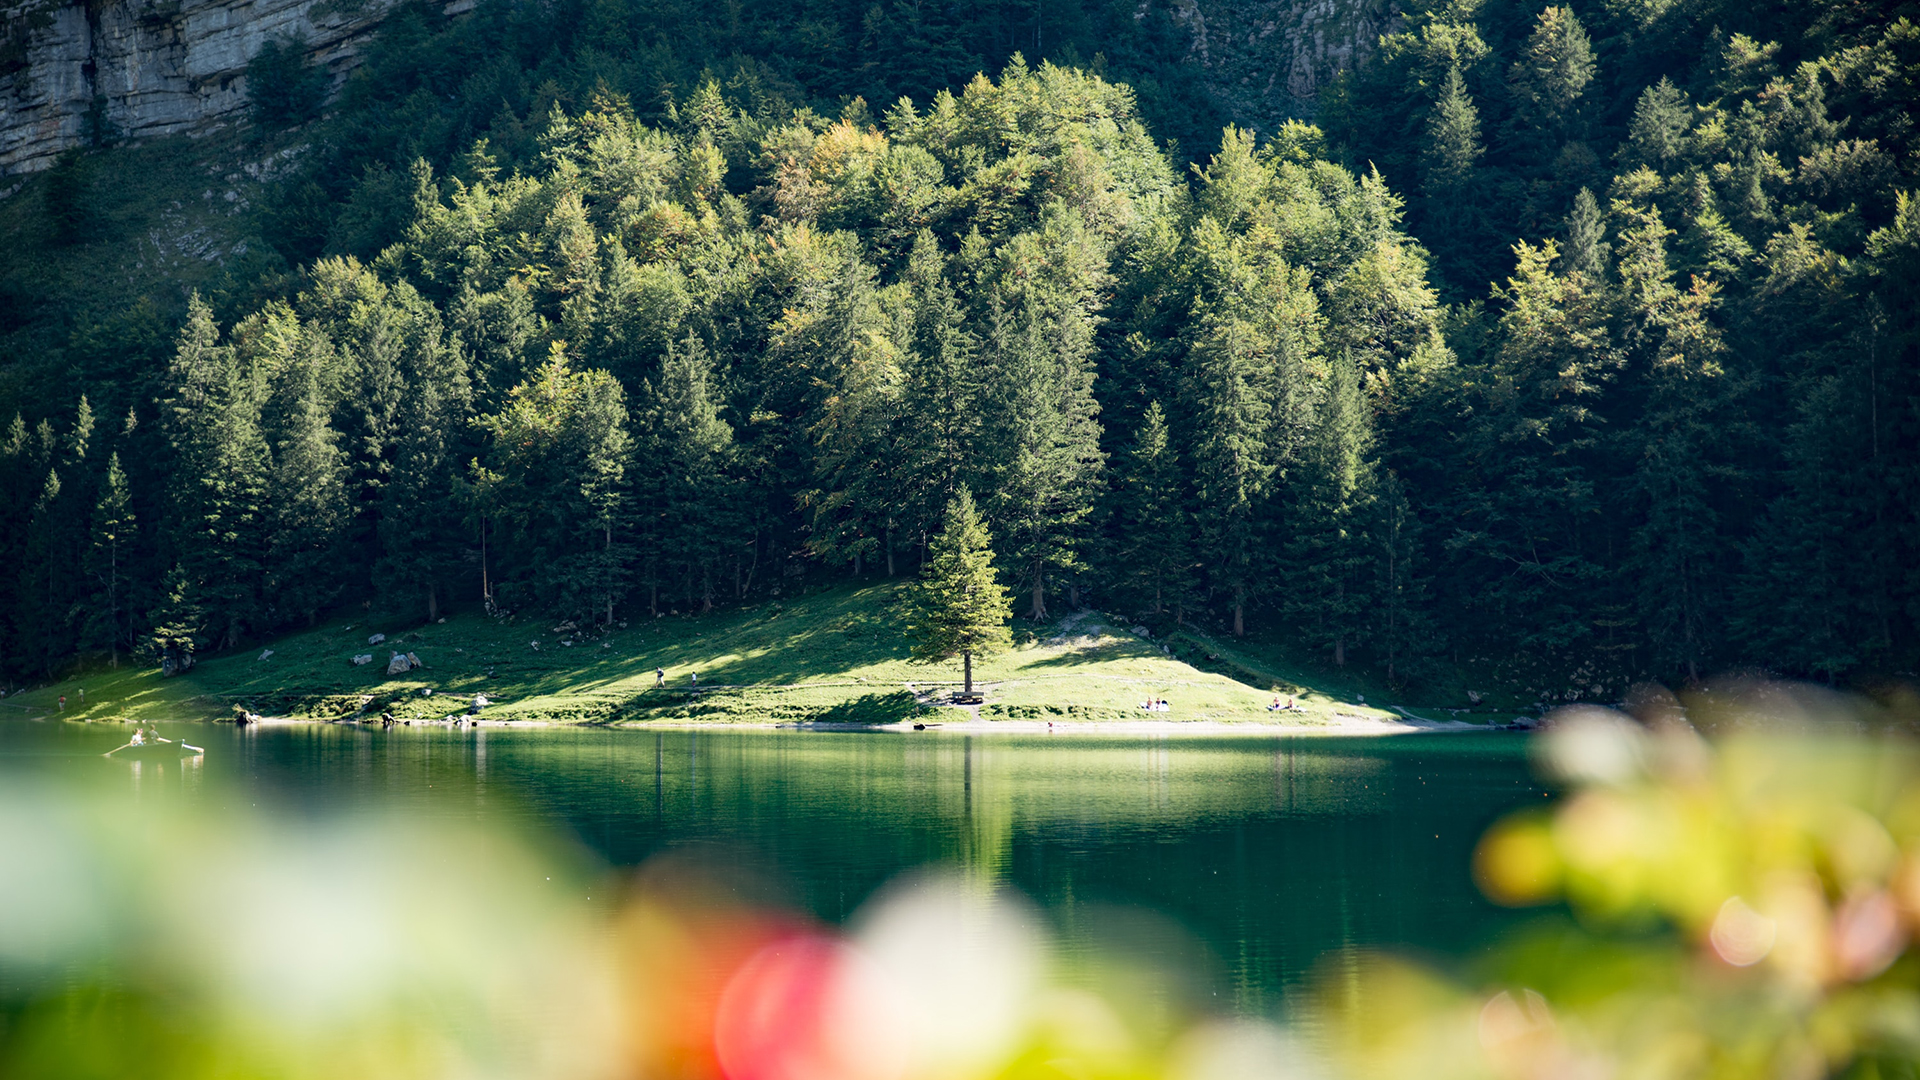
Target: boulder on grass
point(363, 659)
point(399, 664)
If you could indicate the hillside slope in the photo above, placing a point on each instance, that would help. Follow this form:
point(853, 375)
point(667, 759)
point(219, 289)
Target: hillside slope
point(835, 656)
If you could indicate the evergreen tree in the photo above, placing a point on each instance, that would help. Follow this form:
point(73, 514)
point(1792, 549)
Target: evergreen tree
point(1329, 579)
point(1661, 121)
point(1246, 390)
point(1045, 444)
point(1152, 548)
point(110, 564)
point(1452, 145)
point(311, 507)
point(959, 608)
point(1403, 625)
point(1675, 548)
point(1586, 251)
point(555, 479)
point(220, 504)
point(1553, 72)
point(1526, 547)
point(690, 501)
point(942, 396)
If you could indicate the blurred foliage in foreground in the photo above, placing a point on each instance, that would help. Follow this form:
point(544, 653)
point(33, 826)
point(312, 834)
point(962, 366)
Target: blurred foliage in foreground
point(1733, 905)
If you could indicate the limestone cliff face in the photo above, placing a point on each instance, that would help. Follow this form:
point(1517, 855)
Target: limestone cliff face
point(139, 68)
point(1266, 60)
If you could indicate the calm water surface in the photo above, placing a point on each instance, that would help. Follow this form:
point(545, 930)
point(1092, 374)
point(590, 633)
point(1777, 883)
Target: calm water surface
point(1244, 860)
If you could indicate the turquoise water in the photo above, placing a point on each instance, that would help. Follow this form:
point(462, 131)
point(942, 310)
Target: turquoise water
point(1242, 861)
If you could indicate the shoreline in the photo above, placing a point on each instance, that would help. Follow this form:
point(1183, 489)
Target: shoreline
point(1344, 725)
point(1333, 724)
point(1339, 725)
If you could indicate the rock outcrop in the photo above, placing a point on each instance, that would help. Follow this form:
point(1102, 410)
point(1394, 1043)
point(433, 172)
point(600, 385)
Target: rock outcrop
point(1265, 60)
point(72, 73)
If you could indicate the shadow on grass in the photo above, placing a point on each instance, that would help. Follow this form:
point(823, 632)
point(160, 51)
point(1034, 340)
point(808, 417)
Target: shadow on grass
point(1101, 654)
point(890, 708)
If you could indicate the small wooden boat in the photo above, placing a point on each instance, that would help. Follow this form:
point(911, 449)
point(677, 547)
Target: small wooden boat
point(155, 750)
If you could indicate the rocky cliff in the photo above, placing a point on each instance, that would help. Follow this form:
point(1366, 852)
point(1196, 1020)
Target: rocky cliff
point(1266, 60)
point(139, 68)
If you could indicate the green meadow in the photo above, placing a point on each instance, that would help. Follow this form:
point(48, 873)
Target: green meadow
point(838, 656)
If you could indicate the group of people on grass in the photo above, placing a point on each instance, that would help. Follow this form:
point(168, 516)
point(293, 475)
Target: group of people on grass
point(1288, 707)
point(1156, 705)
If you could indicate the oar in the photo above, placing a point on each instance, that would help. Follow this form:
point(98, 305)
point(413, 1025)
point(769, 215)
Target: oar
point(183, 744)
point(117, 749)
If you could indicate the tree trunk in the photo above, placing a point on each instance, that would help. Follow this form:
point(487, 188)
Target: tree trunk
point(433, 603)
point(856, 563)
point(1340, 650)
point(1073, 592)
point(889, 552)
point(1039, 591)
point(1239, 611)
point(968, 660)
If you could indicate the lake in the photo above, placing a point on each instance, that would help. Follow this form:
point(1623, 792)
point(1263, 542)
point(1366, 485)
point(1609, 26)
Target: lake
point(1243, 861)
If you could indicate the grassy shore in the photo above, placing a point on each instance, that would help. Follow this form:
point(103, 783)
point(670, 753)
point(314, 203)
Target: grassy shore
point(835, 657)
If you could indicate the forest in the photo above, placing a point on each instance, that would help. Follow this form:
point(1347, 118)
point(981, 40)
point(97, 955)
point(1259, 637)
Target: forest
point(1579, 339)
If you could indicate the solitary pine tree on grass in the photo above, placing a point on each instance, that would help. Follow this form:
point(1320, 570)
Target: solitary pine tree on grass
point(959, 606)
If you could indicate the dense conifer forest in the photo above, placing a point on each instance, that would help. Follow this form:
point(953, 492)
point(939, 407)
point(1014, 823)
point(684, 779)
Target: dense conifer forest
point(1578, 337)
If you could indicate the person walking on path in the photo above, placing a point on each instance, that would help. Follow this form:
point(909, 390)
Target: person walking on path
point(695, 677)
point(659, 676)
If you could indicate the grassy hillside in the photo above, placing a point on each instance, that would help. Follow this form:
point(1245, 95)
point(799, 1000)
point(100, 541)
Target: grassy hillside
point(835, 656)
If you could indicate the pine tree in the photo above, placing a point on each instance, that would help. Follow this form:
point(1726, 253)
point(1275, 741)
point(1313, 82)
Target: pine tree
point(1452, 145)
point(1552, 74)
point(1662, 119)
point(1245, 389)
point(690, 504)
point(1046, 441)
point(219, 509)
point(555, 478)
point(1586, 251)
point(1152, 530)
point(109, 563)
point(418, 526)
point(858, 463)
point(1675, 558)
point(1403, 625)
point(941, 398)
point(1525, 546)
point(959, 608)
point(1329, 583)
point(311, 508)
